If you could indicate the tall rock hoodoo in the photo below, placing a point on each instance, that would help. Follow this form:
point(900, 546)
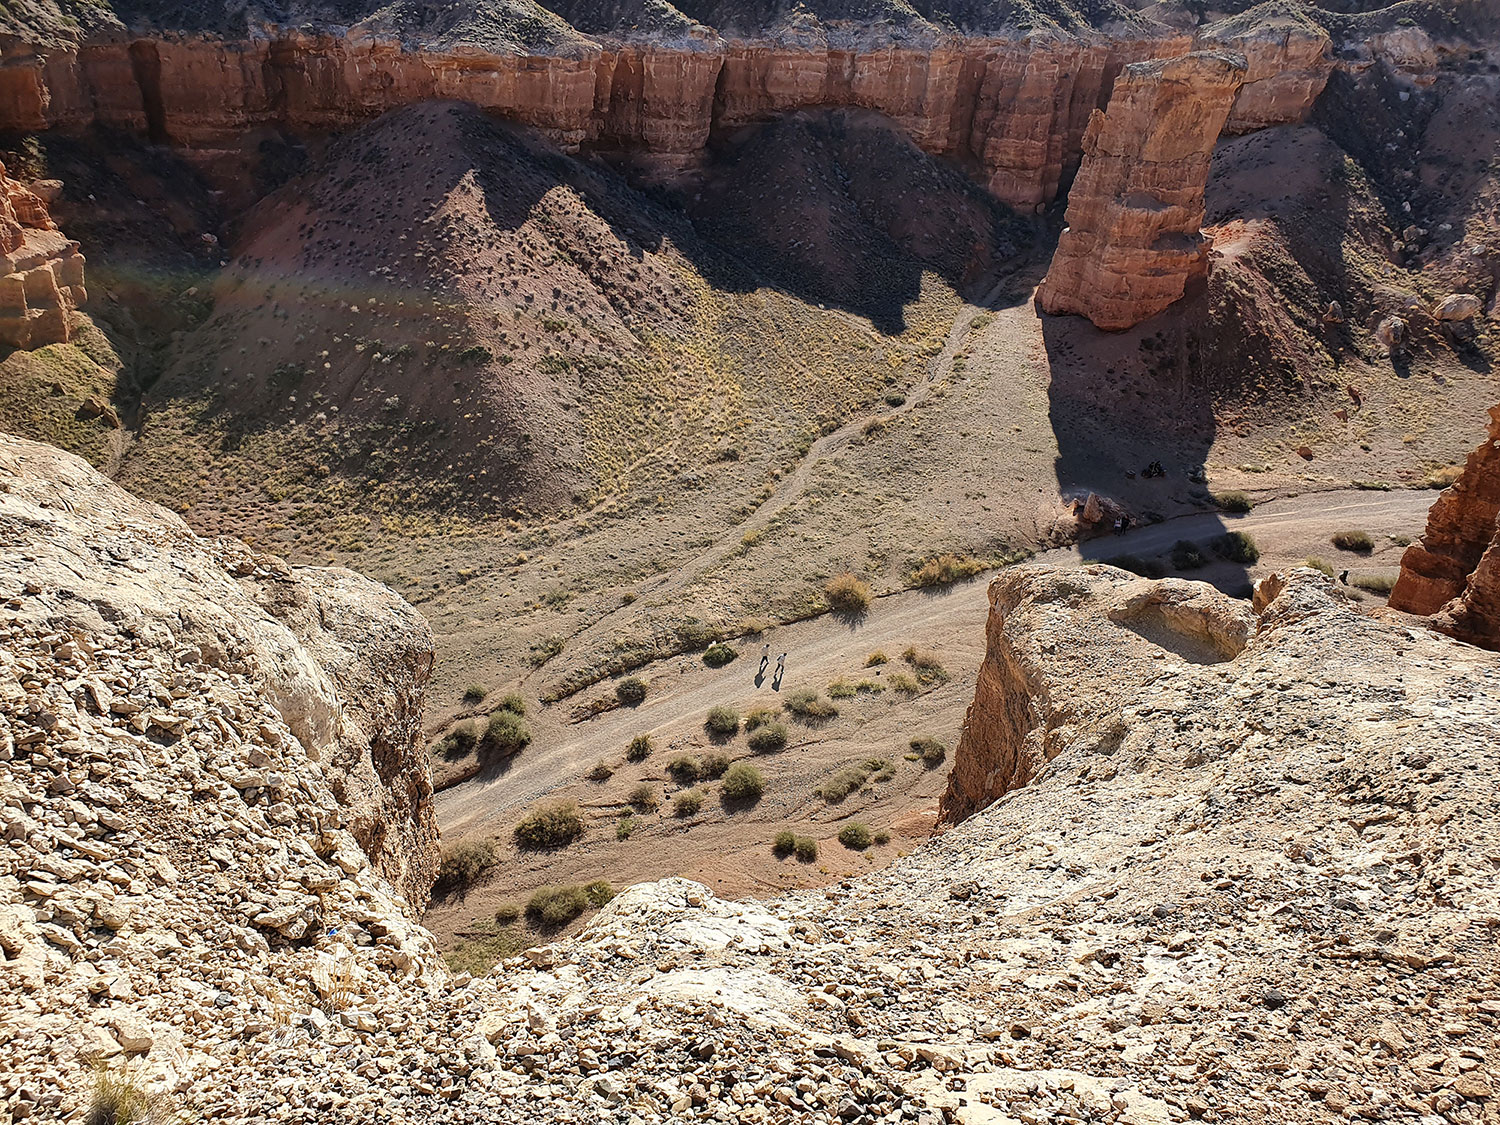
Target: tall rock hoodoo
point(41, 271)
point(1135, 213)
point(1453, 571)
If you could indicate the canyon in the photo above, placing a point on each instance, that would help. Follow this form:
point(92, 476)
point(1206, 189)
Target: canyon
point(41, 271)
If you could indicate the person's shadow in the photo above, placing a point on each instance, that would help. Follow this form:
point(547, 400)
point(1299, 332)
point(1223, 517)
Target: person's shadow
point(760, 676)
point(776, 682)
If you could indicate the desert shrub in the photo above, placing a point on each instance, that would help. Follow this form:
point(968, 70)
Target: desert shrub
point(506, 913)
point(624, 827)
point(600, 772)
point(1187, 556)
point(806, 849)
point(722, 721)
point(1146, 568)
point(944, 570)
point(769, 738)
point(926, 664)
point(1375, 583)
point(875, 659)
point(505, 734)
point(557, 906)
point(929, 750)
point(901, 682)
point(855, 836)
point(843, 782)
point(459, 741)
point(1357, 541)
point(644, 797)
point(1233, 501)
point(475, 693)
point(1237, 546)
point(599, 891)
point(718, 654)
point(639, 749)
point(714, 766)
point(685, 769)
point(785, 843)
point(841, 689)
point(807, 704)
point(1318, 564)
point(848, 593)
point(760, 716)
point(117, 1100)
point(1442, 478)
point(870, 687)
point(872, 426)
point(545, 649)
point(687, 803)
point(463, 861)
point(695, 634)
point(1401, 540)
point(631, 691)
point(551, 826)
point(514, 704)
point(882, 837)
point(1372, 486)
point(743, 782)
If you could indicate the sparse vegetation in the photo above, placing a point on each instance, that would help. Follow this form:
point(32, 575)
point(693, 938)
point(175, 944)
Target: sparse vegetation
point(944, 570)
point(760, 716)
point(743, 782)
point(1233, 502)
point(1237, 547)
point(841, 689)
point(784, 843)
point(687, 803)
point(117, 1100)
point(901, 682)
point(1187, 556)
point(1442, 478)
point(809, 706)
point(1318, 564)
point(459, 741)
point(505, 734)
point(685, 769)
point(1146, 568)
point(551, 826)
point(1357, 541)
point(557, 906)
point(600, 772)
point(545, 649)
point(722, 721)
point(464, 861)
point(929, 751)
point(514, 704)
point(769, 738)
point(927, 665)
point(714, 766)
point(643, 797)
point(718, 654)
point(639, 749)
point(882, 837)
point(875, 659)
point(507, 913)
point(1372, 486)
point(1381, 584)
point(624, 827)
point(475, 693)
point(848, 593)
point(806, 849)
point(842, 783)
point(631, 691)
point(856, 836)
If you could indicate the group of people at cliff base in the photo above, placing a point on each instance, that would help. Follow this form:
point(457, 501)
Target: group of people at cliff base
point(765, 659)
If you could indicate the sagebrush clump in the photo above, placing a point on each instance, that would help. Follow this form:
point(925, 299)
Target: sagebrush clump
point(743, 782)
point(848, 593)
point(463, 861)
point(551, 826)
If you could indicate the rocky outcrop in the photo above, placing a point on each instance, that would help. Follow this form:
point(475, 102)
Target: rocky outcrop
point(41, 270)
point(1015, 104)
point(1453, 571)
point(340, 662)
point(1134, 237)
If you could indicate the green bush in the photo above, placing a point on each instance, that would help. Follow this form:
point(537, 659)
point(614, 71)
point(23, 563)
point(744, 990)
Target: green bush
point(459, 741)
point(808, 705)
point(855, 836)
point(1187, 556)
point(1237, 546)
point(639, 749)
point(785, 843)
point(475, 693)
point(599, 891)
point(1318, 564)
point(843, 782)
point(925, 663)
point(463, 861)
point(766, 739)
point(841, 689)
point(624, 827)
point(687, 803)
point(847, 593)
point(1375, 583)
point(722, 721)
point(551, 826)
point(806, 849)
point(644, 798)
point(718, 654)
point(1233, 501)
point(557, 906)
point(714, 766)
point(600, 772)
point(1357, 541)
point(631, 692)
point(903, 683)
point(507, 913)
point(929, 750)
point(759, 717)
point(514, 704)
point(685, 769)
point(882, 838)
point(944, 570)
point(505, 734)
point(743, 782)
point(875, 659)
point(1146, 568)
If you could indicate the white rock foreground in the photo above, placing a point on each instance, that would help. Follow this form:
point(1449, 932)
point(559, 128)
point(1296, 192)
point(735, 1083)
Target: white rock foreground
point(1253, 890)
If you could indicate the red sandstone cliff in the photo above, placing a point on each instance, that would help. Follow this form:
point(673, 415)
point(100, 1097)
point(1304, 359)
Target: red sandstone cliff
point(1135, 213)
point(41, 270)
point(1453, 571)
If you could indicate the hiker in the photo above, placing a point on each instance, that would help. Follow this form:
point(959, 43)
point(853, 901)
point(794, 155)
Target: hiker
point(1344, 577)
point(781, 665)
point(1119, 527)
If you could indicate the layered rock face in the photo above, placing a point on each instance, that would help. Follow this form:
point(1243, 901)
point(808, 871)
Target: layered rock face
point(1015, 104)
point(1135, 213)
point(41, 270)
point(1453, 571)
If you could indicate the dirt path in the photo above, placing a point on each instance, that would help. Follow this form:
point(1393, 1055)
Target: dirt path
point(822, 648)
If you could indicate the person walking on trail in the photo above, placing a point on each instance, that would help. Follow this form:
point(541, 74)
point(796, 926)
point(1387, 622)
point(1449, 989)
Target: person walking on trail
point(781, 666)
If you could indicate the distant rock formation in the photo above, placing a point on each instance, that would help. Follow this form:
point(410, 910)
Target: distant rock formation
point(41, 270)
point(1453, 572)
point(1135, 213)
